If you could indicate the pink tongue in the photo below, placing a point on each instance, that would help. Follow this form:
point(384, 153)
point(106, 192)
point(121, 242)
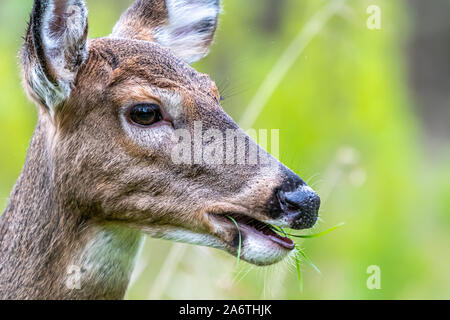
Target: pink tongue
point(282, 241)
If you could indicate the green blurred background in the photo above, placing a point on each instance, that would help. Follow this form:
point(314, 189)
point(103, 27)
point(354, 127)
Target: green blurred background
point(363, 117)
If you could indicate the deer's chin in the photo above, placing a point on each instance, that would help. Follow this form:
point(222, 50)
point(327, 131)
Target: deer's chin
point(258, 246)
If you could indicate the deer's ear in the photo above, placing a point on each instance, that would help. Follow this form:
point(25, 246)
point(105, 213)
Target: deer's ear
point(55, 48)
point(186, 27)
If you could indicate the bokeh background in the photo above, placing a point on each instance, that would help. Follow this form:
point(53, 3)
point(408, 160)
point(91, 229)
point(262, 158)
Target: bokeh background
point(363, 117)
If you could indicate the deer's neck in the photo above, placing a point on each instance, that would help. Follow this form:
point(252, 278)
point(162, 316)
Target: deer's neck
point(50, 248)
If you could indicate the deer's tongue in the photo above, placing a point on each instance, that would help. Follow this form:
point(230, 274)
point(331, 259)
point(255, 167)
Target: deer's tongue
point(283, 241)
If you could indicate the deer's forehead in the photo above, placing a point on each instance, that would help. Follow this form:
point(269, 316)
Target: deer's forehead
point(148, 62)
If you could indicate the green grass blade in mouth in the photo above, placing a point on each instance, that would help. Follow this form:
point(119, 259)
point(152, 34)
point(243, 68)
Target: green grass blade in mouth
point(284, 232)
point(307, 259)
point(240, 239)
point(309, 236)
point(277, 229)
point(299, 270)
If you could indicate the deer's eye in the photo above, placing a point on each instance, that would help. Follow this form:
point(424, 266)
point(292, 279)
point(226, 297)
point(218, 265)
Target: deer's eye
point(145, 114)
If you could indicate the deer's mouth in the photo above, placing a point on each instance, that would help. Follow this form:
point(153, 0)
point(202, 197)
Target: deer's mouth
point(256, 241)
point(249, 224)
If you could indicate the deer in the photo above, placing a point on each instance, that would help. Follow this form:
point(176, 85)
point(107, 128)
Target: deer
point(99, 174)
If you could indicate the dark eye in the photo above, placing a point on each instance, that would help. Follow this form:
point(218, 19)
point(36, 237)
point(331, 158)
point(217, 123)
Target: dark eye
point(145, 114)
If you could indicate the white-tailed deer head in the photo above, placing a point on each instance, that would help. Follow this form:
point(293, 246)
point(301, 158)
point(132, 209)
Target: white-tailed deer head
point(112, 112)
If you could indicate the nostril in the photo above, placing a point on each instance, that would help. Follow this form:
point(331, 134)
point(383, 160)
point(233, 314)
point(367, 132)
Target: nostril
point(300, 199)
point(292, 205)
point(296, 200)
point(287, 201)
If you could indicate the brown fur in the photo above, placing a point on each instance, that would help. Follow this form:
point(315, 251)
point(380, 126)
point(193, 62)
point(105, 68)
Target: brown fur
point(83, 175)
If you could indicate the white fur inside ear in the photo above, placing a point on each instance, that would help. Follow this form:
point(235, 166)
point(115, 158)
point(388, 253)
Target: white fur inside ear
point(190, 29)
point(46, 91)
point(63, 44)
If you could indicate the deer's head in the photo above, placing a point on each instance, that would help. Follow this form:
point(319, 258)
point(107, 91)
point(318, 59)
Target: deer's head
point(113, 110)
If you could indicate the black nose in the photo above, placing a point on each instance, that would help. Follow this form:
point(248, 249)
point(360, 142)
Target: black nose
point(302, 205)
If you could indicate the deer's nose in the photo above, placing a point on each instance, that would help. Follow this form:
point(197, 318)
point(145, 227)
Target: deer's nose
point(301, 205)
